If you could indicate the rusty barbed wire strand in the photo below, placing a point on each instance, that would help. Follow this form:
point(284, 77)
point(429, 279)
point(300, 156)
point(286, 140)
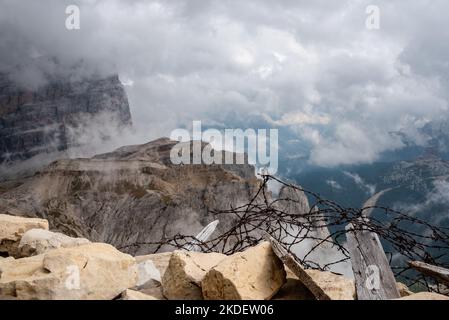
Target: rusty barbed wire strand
point(262, 214)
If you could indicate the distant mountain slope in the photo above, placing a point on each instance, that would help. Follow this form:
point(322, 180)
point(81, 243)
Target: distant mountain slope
point(419, 187)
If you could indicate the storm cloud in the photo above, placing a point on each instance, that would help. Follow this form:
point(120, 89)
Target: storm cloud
point(309, 66)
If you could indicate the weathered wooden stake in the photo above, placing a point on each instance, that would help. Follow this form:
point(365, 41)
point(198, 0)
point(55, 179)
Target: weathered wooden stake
point(438, 273)
point(374, 279)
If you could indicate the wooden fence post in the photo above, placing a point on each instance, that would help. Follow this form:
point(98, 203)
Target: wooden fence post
point(373, 276)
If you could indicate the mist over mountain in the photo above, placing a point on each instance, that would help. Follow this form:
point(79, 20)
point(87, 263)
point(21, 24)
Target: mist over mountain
point(58, 118)
point(335, 85)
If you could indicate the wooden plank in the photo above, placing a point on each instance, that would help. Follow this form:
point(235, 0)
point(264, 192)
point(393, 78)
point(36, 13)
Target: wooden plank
point(374, 279)
point(438, 273)
point(297, 269)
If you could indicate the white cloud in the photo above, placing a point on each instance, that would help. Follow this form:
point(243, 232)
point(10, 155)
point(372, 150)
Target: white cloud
point(334, 184)
point(437, 197)
point(309, 65)
point(300, 118)
point(368, 188)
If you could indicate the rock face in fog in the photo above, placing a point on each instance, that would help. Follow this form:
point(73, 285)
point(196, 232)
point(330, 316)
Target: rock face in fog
point(37, 122)
point(132, 195)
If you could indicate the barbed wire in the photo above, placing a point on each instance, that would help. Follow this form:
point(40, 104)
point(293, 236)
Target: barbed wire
point(319, 231)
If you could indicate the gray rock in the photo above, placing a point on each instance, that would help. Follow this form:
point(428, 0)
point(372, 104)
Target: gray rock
point(12, 229)
point(39, 241)
point(151, 268)
point(34, 122)
point(136, 295)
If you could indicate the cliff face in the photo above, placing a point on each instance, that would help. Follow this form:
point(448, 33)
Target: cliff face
point(133, 194)
point(36, 122)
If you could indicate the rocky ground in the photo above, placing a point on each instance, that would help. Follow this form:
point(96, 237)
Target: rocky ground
point(36, 263)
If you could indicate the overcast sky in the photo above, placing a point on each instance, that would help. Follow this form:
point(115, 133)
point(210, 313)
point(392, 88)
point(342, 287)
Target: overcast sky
point(309, 66)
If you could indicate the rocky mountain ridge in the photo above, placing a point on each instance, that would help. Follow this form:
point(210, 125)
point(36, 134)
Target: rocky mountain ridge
point(132, 195)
